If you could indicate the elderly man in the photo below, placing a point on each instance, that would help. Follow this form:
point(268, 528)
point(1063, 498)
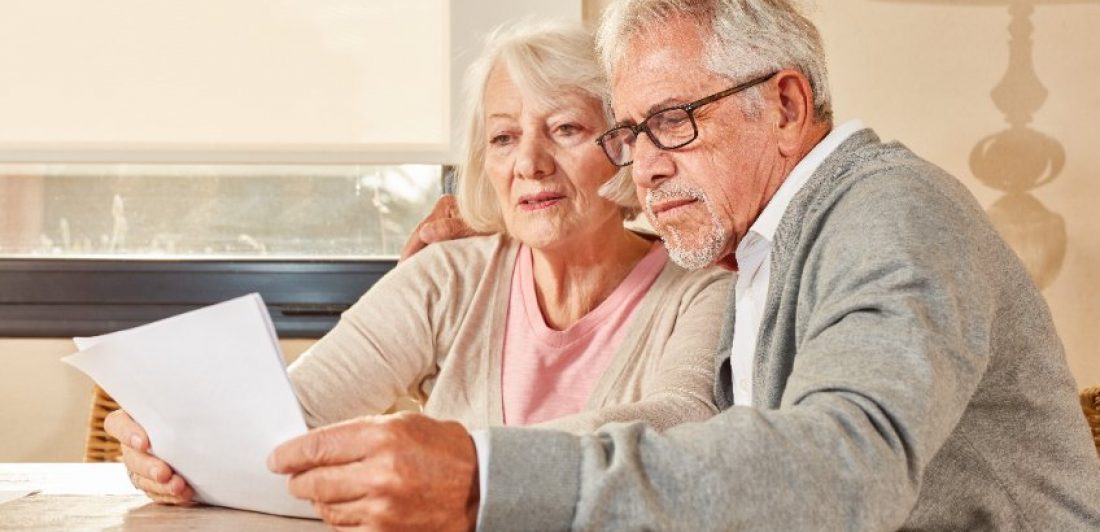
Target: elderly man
point(886, 362)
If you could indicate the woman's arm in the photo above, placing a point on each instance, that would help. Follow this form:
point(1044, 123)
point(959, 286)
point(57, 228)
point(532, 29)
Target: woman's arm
point(383, 347)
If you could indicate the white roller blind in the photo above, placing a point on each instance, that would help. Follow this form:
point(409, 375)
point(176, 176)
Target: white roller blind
point(239, 80)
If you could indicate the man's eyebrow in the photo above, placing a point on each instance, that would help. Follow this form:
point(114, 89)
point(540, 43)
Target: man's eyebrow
point(662, 105)
point(659, 106)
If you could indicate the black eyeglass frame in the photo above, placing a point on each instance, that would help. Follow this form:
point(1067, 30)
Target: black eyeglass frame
point(688, 108)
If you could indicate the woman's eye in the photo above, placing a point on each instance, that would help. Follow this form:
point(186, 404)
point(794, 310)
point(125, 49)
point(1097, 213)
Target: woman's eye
point(569, 129)
point(500, 140)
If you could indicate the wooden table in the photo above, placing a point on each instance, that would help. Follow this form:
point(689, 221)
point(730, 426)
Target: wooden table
point(99, 497)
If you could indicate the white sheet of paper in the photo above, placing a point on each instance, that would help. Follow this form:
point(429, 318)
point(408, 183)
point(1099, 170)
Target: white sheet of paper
point(210, 388)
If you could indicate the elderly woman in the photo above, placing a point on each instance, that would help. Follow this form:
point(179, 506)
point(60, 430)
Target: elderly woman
point(563, 318)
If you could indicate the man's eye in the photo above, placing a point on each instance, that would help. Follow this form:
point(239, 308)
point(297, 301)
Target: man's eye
point(670, 120)
point(500, 140)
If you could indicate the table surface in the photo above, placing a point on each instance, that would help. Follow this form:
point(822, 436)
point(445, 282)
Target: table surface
point(100, 497)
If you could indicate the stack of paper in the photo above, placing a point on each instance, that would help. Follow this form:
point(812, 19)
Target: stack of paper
point(210, 388)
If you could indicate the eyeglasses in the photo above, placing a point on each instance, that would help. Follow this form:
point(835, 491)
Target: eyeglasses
point(669, 128)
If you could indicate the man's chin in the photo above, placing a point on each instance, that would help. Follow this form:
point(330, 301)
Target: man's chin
point(703, 251)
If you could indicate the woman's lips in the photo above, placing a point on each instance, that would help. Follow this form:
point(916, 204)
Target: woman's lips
point(670, 208)
point(542, 200)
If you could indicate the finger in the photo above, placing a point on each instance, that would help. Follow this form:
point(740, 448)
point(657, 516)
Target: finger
point(445, 229)
point(172, 501)
point(146, 465)
point(185, 499)
point(376, 512)
point(123, 428)
point(413, 245)
point(332, 484)
point(176, 488)
point(445, 207)
point(331, 445)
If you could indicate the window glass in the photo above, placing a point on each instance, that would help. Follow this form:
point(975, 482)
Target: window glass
point(211, 212)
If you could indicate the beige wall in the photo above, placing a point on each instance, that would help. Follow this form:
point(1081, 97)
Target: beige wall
point(922, 72)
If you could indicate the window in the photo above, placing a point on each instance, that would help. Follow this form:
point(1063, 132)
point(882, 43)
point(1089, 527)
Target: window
point(158, 155)
point(229, 212)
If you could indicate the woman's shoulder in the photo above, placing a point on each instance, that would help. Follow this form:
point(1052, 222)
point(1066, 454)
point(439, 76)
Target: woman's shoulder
point(674, 279)
point(460, 258)
point(684, 279)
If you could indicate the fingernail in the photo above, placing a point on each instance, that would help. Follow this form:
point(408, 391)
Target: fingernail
point(135, 441)
point(271, 463)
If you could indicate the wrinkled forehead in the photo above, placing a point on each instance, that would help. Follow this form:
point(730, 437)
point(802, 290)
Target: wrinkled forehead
point(659, 67)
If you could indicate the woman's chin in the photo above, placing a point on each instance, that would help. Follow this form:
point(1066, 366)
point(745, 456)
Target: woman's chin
point(542, 242)
point(544, 236)
point(557, 232)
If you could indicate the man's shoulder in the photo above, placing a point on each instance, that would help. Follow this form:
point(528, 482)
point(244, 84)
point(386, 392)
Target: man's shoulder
point(887, 184)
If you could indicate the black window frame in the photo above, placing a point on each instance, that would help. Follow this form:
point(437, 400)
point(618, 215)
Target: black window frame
point(57, 298)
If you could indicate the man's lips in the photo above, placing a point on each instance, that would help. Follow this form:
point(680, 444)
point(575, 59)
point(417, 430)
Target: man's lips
point(668, 207)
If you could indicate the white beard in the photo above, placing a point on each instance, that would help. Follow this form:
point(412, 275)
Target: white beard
point(691, 252)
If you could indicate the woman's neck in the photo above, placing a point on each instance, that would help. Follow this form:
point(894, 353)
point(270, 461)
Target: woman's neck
point(572, 280)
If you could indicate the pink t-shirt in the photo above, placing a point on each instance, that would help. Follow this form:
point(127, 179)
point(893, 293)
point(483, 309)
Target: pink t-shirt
point(547, 374)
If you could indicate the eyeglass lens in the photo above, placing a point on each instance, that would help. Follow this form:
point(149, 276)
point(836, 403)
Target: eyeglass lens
point(668, 129)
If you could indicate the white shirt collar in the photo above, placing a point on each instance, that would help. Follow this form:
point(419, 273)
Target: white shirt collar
point(766, 224)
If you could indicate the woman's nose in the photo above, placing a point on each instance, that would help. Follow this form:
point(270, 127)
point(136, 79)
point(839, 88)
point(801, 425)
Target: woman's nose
point(533, 158)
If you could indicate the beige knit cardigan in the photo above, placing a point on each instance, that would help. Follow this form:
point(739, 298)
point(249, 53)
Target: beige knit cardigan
point(432, 329)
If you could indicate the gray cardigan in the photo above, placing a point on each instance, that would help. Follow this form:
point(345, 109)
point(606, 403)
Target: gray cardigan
point(908, 376)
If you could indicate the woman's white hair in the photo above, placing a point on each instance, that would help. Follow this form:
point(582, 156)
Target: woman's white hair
point(745, 39)
point(543, 60)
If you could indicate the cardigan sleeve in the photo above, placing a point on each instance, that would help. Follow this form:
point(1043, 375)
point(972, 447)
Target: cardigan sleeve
point(679, 388)
point(384, 346)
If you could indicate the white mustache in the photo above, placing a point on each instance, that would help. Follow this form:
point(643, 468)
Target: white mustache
point(671, 192)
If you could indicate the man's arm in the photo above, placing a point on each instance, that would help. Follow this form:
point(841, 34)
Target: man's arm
point(891, 340)
point(442, 224)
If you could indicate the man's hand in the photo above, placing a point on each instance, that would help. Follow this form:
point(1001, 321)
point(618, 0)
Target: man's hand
point(404, 471)
point(443, 223)
point(147, 472)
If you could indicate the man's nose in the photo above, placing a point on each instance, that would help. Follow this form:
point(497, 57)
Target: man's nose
point(652, 165)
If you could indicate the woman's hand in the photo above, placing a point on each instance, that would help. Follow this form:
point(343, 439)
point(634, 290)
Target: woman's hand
point(147, 472)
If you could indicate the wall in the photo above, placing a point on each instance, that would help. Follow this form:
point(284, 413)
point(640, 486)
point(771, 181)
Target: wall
point(925, 72)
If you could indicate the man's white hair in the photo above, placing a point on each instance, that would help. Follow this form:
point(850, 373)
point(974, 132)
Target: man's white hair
point(744, 38)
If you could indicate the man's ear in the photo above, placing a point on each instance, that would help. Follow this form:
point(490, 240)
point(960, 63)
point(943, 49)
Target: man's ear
point(796, 111)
